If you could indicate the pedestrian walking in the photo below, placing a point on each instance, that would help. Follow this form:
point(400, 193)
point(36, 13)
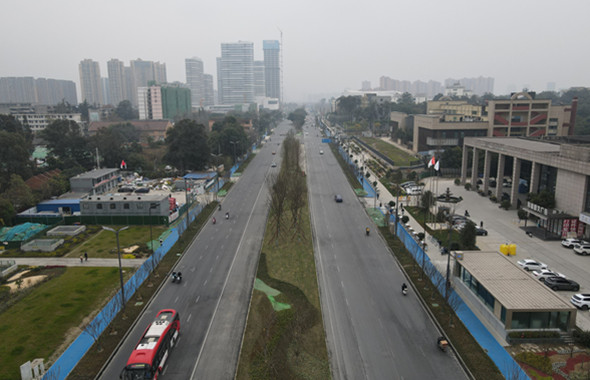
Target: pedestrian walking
point(81, 258)
point(85, 256)
point(481, 224)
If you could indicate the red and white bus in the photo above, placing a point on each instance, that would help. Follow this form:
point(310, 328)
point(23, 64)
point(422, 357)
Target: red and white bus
point(149, 356)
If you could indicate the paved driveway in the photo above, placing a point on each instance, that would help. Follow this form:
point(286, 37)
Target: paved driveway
point(504, 228)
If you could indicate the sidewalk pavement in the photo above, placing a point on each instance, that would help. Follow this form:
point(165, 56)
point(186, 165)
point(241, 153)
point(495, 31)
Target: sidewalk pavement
point(75, 262)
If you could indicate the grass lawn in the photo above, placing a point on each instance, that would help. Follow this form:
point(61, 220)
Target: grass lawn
point(288, 344)
point(37, 325)
point(399, 157)
point(104, 243)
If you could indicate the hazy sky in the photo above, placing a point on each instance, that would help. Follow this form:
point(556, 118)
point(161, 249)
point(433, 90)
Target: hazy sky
point(328, 46)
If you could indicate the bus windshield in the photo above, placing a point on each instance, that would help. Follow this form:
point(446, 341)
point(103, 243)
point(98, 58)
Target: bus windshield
point(136, 372)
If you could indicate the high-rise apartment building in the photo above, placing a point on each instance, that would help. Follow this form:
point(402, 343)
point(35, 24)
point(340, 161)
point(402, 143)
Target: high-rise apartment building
point(106, 96)
point(37, 91)
point(235, 73)
point(54, 91)
point(117, 85)
point(478, 86)
point(195, 80)
point(145, 73)
point(208, 92)
point(163, 102)
point(272, 68)
point(90, 82)
point(259, 82)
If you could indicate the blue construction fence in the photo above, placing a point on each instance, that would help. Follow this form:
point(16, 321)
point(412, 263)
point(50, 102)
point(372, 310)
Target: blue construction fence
point(503, 360)
point(367, 186)
point(76, 351)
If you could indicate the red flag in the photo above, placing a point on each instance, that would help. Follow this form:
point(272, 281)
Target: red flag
point(431, 162)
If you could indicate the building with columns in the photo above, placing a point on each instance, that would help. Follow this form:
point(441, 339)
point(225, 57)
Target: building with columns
point(561, 166)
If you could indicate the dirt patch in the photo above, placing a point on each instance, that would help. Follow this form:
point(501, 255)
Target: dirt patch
point(26, 282)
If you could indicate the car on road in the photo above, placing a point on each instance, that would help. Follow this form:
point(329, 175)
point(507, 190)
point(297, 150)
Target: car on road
point(273, 152)
point(529, 264)
point(560, 283)
point(582, 249)
point(581, 300)
point(321, 152)
point(273, 165)
point(543, 274)
point(571, 242)
point(338, 198)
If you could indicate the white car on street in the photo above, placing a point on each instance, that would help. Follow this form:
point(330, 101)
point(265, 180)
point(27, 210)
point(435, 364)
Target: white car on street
point(529, 264)
point(542, 274)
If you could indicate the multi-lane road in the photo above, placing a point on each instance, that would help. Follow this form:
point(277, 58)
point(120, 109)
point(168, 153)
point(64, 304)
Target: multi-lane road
point(373, 332)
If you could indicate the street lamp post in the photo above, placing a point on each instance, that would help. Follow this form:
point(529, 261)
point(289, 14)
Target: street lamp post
point(120, 268)
point(234, 143)
point(152, 205)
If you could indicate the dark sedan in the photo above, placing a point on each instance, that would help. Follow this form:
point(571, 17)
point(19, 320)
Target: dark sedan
point(560, 283)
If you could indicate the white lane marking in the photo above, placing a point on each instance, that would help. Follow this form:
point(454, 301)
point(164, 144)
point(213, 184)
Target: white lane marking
point(211, 270)
point(217, 257)
point(225, 282)
point(176, 300)
point(189, 318)
point(205, 283)
point(197, 300)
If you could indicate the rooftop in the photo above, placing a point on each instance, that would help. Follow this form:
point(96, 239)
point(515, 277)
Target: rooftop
point(512, 286)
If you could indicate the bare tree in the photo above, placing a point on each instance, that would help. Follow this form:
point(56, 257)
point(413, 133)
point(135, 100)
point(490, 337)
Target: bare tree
point(278, 196)
point(96, 326)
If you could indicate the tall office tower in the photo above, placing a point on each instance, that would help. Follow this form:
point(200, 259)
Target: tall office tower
point(235, 71)
point(366, 85)
point(208, 92)
point(195, 81)
point(117, 90)
point(90, 82)
point(259, 82)
point(272, 68)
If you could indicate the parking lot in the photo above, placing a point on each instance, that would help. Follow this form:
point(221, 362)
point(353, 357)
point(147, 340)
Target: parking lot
point(504, 228)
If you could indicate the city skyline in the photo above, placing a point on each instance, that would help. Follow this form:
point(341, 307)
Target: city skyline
point(327, 47)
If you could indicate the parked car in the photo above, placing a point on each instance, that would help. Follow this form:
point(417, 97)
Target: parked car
point(529, 264)
point(543, 274)
point(581, 300)
point(338, 198)
point(273, 152)
point(142, 190)
point(560, 283)
point(582, 249)
point(321, 152)
point(571, 242)
point(273, 165)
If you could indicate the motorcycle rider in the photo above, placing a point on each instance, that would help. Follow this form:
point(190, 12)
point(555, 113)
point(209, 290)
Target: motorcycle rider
point(227, 215)
point(404, 287)
point(367, 230)
point(214, 220)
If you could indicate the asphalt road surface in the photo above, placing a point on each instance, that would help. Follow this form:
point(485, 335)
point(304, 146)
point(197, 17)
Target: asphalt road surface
point(373, 331)
point(218, 275)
